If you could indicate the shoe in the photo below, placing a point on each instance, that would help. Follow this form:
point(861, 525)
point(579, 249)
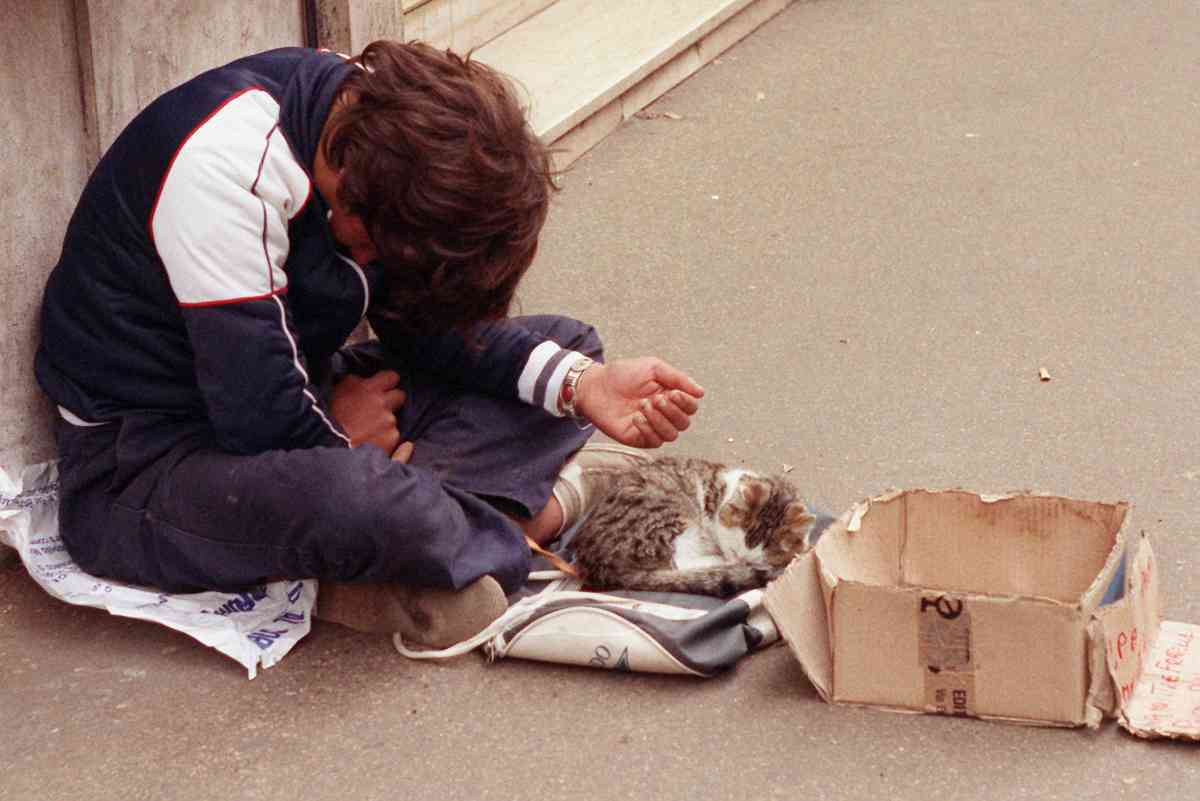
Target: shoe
point(588, 475)
point(433, 618)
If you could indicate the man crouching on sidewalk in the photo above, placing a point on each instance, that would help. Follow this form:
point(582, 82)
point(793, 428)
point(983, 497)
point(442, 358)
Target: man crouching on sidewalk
point(214, 434)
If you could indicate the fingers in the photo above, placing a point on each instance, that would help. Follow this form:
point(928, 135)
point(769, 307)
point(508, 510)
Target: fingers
point(383, 437)
point(664, 416)
point(685, 403)
point(677, 407)
point(647, 435)
point(394, 398)
point(403, 453)
point(657, 421)
point(671, 378)
point(383, 380)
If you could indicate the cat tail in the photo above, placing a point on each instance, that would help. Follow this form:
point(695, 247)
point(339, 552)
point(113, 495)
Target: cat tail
point(721, 581)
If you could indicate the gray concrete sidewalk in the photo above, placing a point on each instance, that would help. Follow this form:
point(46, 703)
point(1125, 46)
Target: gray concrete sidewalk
point(873, 224)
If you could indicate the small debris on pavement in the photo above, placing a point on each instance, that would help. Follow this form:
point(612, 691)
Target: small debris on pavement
point(787, 468)
point(1043, 374)
point(646, 114)
point(760, 97)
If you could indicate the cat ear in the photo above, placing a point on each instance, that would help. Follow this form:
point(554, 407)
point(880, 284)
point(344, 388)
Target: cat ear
point(754, 492)
point(796, 514)
point(793, 535)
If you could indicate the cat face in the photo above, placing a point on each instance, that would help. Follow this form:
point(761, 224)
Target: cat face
point(769, 510)
point(792, 537)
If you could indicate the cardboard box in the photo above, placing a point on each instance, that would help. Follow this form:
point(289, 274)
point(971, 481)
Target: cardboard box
point(1026, 608)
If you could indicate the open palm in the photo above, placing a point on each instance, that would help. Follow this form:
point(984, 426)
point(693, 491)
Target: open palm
point(641, 402)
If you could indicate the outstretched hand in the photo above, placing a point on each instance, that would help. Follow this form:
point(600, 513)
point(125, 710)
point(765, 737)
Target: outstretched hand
point(641, 402)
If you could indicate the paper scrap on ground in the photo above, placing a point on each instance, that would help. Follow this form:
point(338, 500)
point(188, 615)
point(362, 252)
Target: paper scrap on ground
point(646, 114)
point(256, 627)
point(1166, 700)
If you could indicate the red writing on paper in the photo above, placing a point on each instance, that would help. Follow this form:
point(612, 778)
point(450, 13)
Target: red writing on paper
point(1167, 698)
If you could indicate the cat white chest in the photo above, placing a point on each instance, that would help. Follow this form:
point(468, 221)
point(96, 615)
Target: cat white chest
point(695, 548)
point(710, 544)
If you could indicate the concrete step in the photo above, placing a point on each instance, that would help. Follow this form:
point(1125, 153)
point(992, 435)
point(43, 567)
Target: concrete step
point(589, 65)
point(348, 26)
point(462, 25)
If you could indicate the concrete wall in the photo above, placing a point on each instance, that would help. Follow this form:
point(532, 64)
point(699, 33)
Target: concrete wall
point(75, 71)
point(140, 48)
point(45, 163)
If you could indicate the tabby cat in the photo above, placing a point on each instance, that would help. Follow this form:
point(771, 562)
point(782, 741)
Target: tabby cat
point(689, 525)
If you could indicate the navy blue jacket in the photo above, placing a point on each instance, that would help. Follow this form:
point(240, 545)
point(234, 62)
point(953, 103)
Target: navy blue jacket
point(198, 277)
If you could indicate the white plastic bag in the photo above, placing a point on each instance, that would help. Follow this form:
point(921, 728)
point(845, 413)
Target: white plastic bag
point(256, 627)
point(622, 632)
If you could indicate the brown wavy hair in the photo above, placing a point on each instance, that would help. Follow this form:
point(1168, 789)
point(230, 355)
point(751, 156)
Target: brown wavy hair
point(438, 160)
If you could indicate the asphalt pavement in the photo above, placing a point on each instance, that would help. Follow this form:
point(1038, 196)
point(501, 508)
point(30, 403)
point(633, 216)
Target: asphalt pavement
point(871, 225)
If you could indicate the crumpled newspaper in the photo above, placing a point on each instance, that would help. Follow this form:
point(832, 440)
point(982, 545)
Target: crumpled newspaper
point(255, 627)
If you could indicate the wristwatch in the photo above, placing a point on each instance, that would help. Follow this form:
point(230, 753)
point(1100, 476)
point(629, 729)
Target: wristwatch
point(570, 387)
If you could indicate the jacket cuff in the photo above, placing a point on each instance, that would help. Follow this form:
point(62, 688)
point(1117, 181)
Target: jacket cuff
point(541, 381)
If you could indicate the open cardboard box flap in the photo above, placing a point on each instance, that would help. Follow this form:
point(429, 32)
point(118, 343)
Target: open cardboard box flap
point(1026, 608)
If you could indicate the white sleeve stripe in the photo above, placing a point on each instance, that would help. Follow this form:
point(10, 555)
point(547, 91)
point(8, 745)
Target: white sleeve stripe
point(76, 420)
point(287, 333)
point(554, 385)
point(300, 369)
point(541, 385)
point(362, 277)
point(527, 383)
